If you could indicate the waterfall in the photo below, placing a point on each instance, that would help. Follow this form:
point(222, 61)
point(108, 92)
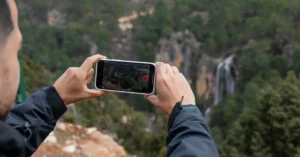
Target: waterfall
point(225, 81)
point(218, 95)
point(229, 75)
point(72, 108)
point(207, 115)
point(150, 117)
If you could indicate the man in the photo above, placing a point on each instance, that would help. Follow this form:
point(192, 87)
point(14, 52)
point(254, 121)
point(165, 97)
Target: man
point(24, 127)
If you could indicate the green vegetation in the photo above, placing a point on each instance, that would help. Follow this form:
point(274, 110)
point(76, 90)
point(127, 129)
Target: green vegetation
point(33, 77)
point(58, 48)
point(263, 34)
point(271, 129)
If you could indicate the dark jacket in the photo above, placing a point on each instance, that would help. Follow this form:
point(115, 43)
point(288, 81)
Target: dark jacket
point(28, 124)
point(189, 135)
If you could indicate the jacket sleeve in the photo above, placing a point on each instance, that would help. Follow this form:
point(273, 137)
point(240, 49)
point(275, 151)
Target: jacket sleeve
point(189, 135)
point(37, 117)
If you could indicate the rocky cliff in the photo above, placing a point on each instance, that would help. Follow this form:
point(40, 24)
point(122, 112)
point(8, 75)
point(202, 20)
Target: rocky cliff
point(68, 140)
point(206, 73)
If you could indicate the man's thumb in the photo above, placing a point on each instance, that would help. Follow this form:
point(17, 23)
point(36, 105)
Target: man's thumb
point(153, 99)
point(92, 93)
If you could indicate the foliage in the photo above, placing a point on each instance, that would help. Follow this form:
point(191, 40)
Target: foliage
point(225, 115)
point(68, 45)
point(154, 27)
point(155, 143)
point(272, 129)
point(37, 78)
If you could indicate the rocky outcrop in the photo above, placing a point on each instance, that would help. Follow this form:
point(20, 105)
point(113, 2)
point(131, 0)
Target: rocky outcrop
point(205, 76)
point(179, 49)
point(183, 51)
point(56, 18)
point(123, 46)
point(212, 77)
point(68, 140)
point(125, 22)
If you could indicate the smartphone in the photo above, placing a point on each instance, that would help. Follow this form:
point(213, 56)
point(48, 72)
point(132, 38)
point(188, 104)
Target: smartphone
point(125, 76)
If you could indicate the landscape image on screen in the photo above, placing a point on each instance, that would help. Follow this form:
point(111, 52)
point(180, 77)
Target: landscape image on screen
point(124, 76)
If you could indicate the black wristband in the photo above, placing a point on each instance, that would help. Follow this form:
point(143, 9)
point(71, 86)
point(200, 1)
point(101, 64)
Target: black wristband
point(173, 114)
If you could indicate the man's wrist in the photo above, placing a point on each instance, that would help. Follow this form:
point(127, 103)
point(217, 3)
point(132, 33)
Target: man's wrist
point(188, 102)
point(55, 101)
point(61, 94)
point(173, 114)
point(181, 108)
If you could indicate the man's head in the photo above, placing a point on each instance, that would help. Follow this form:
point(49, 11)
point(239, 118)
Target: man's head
point(10, 44)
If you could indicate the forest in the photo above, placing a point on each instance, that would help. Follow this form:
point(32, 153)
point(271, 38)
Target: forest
point(260, 119)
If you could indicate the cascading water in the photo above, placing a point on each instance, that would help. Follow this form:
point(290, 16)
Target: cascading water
point(73, 109)
point(230, 82)
point(218, 94)
point(225, 83)
point(207, 114)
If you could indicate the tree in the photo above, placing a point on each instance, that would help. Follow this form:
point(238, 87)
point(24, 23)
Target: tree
point(224, 116)
point(280, 63)
point(255, 61)
point(37, 78)
point(295, 60)
point(272, 129)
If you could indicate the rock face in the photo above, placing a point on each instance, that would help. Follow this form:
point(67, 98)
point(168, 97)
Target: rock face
point(68, 140)
point(205, 76)
point(183, 51)
point(179, 49)
point(123, 45)
point(212, 77)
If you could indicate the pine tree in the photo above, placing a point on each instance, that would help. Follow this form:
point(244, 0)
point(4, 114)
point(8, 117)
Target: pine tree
point(270, 130)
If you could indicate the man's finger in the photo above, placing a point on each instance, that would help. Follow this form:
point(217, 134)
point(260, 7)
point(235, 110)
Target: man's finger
point(169, 69)
point(161, 70)
point(90, 76)
point(90, 61)
point(152, 99)
point(175, 70)
point(93, 93)
point(181, 75)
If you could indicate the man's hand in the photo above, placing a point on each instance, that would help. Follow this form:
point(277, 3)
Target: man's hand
point(171, 86)
point(72, 85)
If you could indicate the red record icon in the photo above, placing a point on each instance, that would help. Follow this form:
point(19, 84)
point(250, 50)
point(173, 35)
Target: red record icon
point(145, 78)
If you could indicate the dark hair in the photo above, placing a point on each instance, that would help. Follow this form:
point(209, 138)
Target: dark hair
point(6, 24)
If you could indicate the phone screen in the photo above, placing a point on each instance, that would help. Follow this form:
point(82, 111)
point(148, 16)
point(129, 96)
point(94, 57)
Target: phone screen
point(125, 76)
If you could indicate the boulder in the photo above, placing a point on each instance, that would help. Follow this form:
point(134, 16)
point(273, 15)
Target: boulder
point(68, 140)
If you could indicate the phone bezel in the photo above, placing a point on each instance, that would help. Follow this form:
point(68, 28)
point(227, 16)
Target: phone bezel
point(126, 61)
